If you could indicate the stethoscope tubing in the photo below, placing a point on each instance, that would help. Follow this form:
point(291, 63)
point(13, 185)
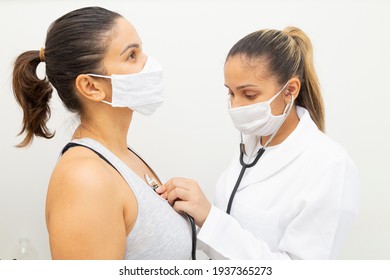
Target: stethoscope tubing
point(193, 232)
point(244, 167)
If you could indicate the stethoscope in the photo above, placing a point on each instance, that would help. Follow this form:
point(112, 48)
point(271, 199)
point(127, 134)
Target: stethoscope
point(244, 167)
point(154, 185)
point(260, 152)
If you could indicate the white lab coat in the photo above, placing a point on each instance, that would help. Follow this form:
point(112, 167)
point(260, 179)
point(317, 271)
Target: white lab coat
point(297, 202)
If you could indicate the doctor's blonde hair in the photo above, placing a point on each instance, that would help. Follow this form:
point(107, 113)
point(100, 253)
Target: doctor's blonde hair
point(288, 53)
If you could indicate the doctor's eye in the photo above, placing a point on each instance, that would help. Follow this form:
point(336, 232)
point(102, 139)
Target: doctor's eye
point(250, 97)
point(230, 93)
point(131, 56)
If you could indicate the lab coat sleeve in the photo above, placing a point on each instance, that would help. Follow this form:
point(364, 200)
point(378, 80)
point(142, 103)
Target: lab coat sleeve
point(222, 237)
point(316, 232)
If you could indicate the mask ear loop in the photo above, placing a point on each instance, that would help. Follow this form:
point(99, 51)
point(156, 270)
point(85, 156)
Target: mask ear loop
point(98, 76)
point(276, 95)
point(101, 76)
point(287, 111)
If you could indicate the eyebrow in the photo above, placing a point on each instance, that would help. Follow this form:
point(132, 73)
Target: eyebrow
point(243, 86)
point(129, 47)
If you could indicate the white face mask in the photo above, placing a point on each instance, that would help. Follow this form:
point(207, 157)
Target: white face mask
point(141, 92)
point(257, 119)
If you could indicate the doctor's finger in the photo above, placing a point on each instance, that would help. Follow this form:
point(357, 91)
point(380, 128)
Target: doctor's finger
point(161, 190)
point(164, 195)
point(175, 194)
point(180, 206)
point(178, 194)
point(179, 182)
point(170, 185)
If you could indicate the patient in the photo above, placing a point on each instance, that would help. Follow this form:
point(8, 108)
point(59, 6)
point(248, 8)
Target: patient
point(98, 204)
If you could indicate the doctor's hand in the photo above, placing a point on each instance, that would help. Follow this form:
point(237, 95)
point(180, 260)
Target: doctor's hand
point(185, 195)
point(162, 191)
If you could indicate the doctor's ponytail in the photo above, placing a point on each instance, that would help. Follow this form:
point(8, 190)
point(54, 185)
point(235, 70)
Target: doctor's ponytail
point(287, 53)
point(310, 95)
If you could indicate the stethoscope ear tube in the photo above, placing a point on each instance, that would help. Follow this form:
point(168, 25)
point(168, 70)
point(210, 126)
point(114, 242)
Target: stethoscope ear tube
point(242, 172)
point(260, 152)
point(253, 163)
point(229, 207)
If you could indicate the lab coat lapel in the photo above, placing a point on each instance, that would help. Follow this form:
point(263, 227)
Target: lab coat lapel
point(278, 157)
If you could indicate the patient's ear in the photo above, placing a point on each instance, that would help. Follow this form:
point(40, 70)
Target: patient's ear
point(91, 88)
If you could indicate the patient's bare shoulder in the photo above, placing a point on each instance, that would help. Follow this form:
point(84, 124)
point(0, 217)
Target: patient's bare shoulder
point(83, 211)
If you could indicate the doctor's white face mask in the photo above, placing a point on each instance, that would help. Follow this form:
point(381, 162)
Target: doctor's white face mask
point(257, 119)
point(141, 92)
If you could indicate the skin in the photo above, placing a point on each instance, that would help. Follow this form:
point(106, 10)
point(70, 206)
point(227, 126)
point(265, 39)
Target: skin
point(90, 209)
point(248, 82)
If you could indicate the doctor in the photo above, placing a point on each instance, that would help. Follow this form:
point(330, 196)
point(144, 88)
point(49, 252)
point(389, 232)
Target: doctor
point(291, 192)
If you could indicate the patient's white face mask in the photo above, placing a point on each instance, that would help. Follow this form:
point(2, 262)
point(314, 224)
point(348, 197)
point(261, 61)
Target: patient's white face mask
point(141, 92)
point(257, 119)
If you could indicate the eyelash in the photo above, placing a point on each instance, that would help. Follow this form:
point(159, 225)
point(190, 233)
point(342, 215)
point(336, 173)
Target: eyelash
point(131, 55)
point(250, 97)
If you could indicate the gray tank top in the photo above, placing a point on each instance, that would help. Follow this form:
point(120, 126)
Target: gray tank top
point(159, 231)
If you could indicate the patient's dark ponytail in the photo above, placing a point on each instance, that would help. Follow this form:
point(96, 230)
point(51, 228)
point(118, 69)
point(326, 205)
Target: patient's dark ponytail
point(75, 44)
point(33, 95)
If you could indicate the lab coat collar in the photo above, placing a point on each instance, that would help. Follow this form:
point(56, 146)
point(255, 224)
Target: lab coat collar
point(277, 157)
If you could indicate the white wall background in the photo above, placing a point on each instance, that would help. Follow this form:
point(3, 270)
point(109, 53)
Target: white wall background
point(191, 135)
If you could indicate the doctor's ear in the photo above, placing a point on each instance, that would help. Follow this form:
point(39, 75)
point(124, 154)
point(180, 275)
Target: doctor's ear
point(93, 89)
point(294, 85)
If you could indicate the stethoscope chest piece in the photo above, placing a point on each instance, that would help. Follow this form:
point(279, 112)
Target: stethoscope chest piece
point(151, 182)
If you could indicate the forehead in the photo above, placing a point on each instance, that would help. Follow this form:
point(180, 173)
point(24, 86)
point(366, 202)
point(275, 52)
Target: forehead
point(240, 67)
point(123, 34)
